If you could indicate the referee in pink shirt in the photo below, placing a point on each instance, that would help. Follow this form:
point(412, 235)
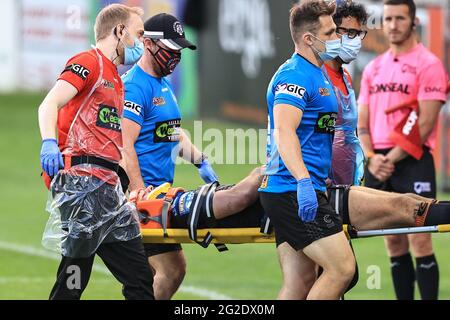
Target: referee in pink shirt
point(407, 71)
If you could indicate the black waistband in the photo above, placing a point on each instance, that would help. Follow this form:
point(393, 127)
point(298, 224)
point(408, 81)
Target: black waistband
point(76, 160)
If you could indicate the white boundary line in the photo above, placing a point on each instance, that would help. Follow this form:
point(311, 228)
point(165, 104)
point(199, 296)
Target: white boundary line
point(41, 253)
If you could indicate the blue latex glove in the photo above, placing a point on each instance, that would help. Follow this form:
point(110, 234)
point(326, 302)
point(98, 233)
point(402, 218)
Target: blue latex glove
point(207, 173)
point(307, 200)
point(51, 157)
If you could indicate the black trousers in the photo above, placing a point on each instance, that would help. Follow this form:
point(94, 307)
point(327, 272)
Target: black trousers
point(126, 261)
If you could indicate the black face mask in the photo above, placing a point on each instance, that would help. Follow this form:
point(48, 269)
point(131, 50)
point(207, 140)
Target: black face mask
point(166, 59)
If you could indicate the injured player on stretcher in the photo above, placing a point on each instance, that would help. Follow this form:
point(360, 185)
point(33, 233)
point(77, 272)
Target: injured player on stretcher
point(238, 206)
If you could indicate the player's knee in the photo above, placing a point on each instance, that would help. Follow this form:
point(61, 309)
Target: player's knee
point(343, 271)
point(241, 200)
point(169, 282)
point(300, 283)
point(177, 274)
point(421, 245)
point(346, 271)
point(171, 275)
point(397, 245)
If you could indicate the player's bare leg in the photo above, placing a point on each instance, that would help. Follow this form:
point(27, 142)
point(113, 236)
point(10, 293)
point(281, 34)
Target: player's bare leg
point(299, 273)
point(241, 196)
point(169, 270)
point(373, 209)
point(335, 256)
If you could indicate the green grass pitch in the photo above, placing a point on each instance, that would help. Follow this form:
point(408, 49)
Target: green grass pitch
point(27, 271)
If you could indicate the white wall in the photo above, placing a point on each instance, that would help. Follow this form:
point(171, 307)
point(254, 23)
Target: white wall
point(52, 32)
point(9, 44)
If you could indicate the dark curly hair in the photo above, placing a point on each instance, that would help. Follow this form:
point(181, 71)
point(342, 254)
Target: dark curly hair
point(348, 8)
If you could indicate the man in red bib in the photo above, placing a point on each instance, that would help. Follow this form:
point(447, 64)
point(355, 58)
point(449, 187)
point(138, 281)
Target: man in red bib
point(89, 213)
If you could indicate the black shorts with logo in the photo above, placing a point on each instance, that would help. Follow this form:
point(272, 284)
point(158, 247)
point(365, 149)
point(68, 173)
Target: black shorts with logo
point(410, 176)
point(282, 209)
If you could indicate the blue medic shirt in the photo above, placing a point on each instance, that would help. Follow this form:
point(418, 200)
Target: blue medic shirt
point(151, 103)
point(301, 84)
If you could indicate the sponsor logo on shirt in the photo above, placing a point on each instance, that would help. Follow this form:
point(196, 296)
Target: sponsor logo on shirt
point(421, 187)
point(435, 90)
point(78, 70)
point(390, 87)
point(264, 182)
point(407, 68)
point(166, 131)
point(108, 118)
point(326, 122)
point(133, 107)
point(290, 89)
point(324, 92)
point(108, 84)
point(159, 101)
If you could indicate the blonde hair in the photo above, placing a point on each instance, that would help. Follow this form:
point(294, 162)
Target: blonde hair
point(112, 15)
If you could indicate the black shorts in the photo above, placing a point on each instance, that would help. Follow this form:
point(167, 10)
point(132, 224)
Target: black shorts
point(282, 209)
point(410, 176)
point(153, 249)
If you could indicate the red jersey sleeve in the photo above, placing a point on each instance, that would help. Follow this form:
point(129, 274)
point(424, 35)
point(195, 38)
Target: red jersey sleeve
point(81, 71)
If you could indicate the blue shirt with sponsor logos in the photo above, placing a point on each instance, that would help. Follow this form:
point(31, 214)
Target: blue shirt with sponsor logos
point(151, 103)
point(303, 85)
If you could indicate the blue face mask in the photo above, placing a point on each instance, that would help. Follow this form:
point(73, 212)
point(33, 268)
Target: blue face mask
point(134, 53)
point(332, 48)
point(350, 48)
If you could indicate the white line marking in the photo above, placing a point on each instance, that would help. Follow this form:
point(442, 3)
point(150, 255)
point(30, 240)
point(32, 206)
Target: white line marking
point(41, 253)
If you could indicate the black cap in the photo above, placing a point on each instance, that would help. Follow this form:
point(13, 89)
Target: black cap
point(168, 30)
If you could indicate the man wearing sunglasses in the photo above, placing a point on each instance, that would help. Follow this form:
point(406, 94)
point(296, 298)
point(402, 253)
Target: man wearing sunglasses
point(153, 137)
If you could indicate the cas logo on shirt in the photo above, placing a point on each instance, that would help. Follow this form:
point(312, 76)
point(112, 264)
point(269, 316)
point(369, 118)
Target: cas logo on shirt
point(324, 92)
point(326, 122)
point(133, 107)
point(78, 70)
point(157, 102)
point(291, 89)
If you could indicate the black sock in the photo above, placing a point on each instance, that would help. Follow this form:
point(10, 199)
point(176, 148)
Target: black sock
point(402, 270)
point(427, 273)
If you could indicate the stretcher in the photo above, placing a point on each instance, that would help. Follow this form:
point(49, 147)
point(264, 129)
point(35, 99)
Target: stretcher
point(254, 235)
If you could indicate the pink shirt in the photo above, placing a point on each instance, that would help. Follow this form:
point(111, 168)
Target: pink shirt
point(391, 80)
